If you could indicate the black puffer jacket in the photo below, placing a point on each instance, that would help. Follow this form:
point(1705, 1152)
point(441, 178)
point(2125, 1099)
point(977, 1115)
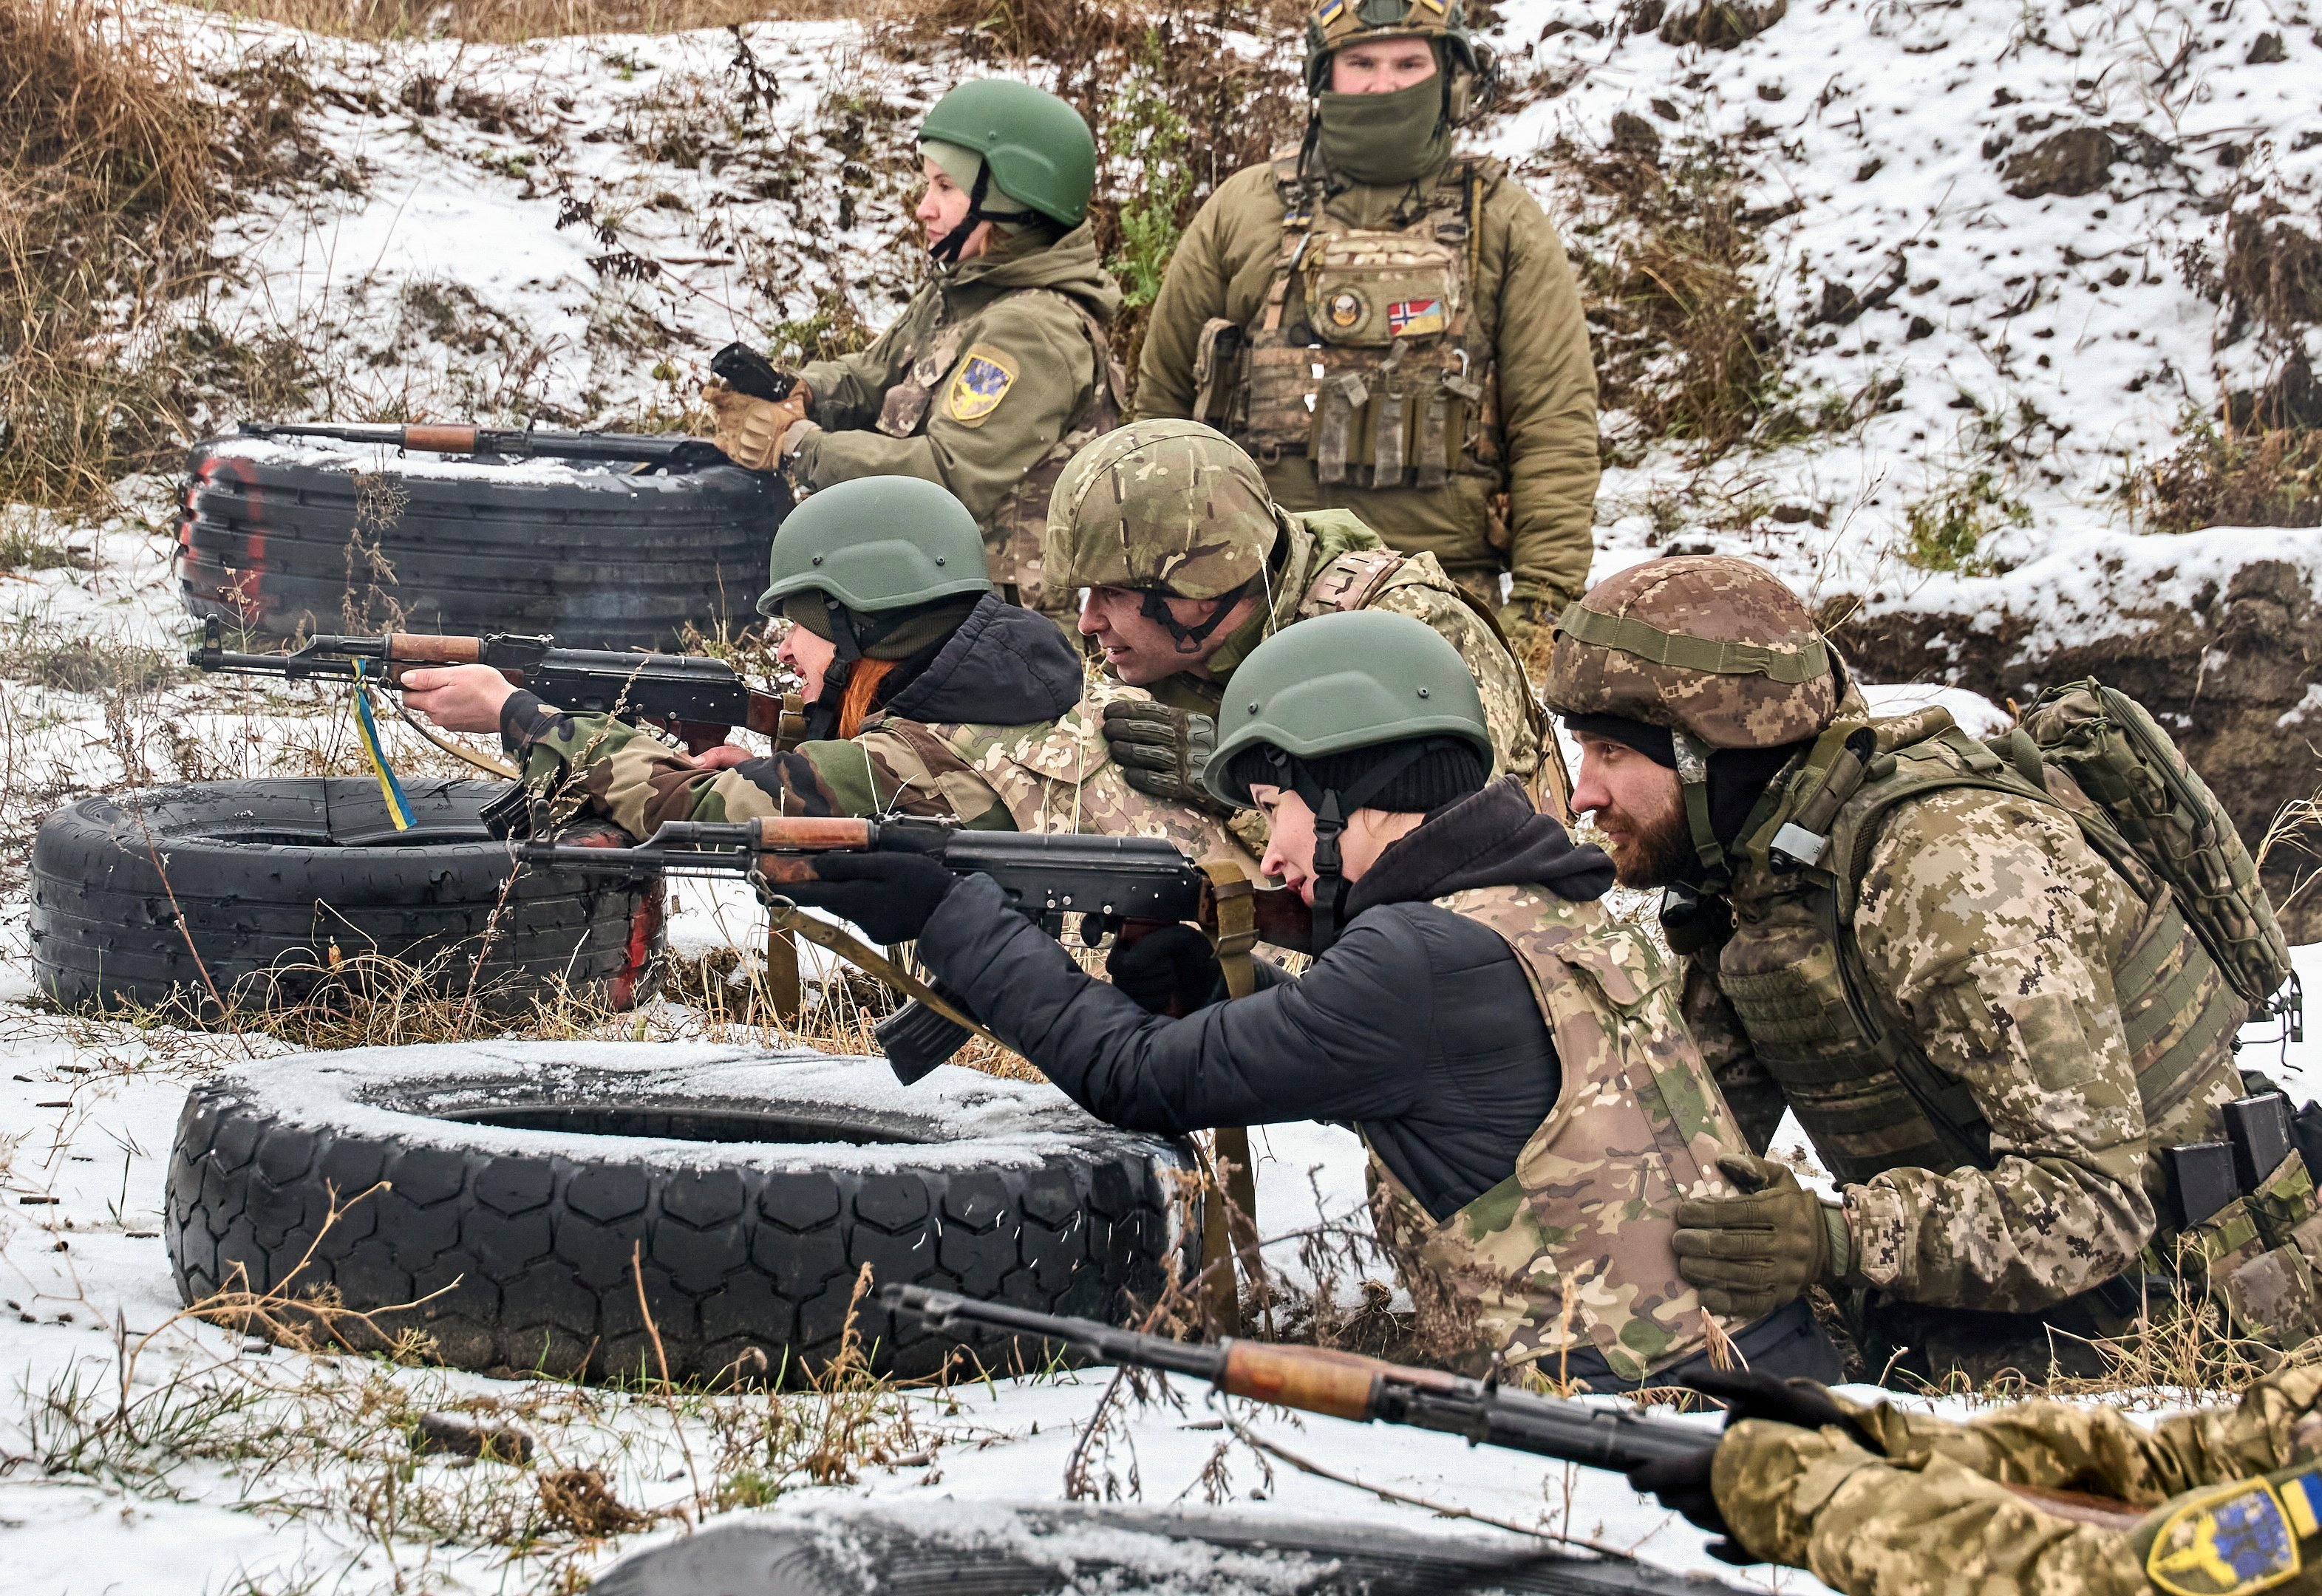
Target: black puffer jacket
point(1418, 1027)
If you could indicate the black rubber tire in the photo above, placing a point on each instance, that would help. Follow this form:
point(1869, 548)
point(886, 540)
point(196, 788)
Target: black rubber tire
point(269, 876)
point(974, 1548)
point(597, 556)
point(752, 1187)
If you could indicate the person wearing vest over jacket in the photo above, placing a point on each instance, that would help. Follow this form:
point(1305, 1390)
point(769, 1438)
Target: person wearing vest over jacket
point(1512, 1057)
point(1983, 1027)
point(926, 694)
point(1000, 366)
point(1390, 325)
point(1189, 565)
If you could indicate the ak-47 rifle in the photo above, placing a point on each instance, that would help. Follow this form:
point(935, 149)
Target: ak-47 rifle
point(1348, 1385)
point(697, 699)
point(1112, 883)
point(663, 451)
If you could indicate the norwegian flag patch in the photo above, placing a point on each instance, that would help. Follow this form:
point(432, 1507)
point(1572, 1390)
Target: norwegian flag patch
point(1413, 318)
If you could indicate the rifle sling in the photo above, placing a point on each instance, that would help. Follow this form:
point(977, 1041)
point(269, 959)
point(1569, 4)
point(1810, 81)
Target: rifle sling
point(786, 917)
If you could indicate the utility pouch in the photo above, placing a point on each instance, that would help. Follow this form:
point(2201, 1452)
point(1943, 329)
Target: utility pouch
point(1216, 379)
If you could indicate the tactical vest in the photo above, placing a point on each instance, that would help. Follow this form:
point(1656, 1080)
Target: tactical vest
point(1359, 356)
point(1868, 1097)
point(1572, 1251)
point(1059, 778)
point(1012, 533)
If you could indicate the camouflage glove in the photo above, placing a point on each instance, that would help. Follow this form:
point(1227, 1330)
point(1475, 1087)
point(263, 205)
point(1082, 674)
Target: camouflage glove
point(750, 431)
point(1748, 1255)
point(1161, 751)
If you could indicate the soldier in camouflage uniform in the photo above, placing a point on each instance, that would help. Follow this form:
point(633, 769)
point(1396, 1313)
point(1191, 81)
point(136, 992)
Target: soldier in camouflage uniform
point(1000, 366)
point(1877, 1501)
point(1982, 1025)
point(926, 695)
point(1190, 566)
point(1512, 1058)
point(1389, 325)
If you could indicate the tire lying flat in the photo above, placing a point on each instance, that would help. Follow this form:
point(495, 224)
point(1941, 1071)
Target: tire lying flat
point(966, 1548)
point(284, 538)
point(265, 879)
point(520, 1178)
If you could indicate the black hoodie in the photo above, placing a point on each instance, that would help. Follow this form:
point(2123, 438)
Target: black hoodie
point(1418, 1026)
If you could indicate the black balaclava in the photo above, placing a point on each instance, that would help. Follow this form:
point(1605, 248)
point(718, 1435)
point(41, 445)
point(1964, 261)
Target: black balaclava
point(1408, 777)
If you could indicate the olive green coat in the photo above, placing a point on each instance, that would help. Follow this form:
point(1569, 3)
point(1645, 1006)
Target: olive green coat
point(1526, 315)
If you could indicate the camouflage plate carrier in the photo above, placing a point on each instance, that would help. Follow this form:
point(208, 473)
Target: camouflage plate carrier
point(1374, 379)
point(1572, 1251)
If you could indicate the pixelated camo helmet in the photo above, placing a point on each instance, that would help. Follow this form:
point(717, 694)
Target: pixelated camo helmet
point(1333, 24)
point(1160, 507)
point(1711, 647)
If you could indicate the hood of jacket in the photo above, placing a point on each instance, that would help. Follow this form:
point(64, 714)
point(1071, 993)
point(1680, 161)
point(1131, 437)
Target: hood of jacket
point(1068, 266)
point(1005, 666)
point(1491, 838)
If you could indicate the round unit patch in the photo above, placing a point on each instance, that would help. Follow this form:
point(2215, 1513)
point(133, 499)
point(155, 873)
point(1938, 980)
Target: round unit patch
point(1346, 308)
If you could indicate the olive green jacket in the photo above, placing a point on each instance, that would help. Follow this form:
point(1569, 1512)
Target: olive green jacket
point(1526, 308)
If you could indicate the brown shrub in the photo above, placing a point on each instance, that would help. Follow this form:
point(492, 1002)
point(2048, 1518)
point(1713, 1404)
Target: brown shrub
point(2228, 476)
point(504, 21)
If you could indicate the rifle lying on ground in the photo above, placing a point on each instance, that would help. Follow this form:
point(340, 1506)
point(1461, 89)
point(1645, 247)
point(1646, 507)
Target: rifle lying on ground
point(697, 699)
point(1348, 1385)
point(672, 451)
point(1122, 884)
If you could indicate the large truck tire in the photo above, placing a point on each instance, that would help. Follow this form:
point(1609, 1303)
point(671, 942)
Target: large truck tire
point(943, 1547)
point(517, 1191)
point(273, 891)
point(283, 538)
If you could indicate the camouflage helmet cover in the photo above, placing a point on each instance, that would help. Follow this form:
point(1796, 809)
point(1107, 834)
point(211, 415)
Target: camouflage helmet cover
point(1335, 23)
point(1707, 644)
point(1161, 506)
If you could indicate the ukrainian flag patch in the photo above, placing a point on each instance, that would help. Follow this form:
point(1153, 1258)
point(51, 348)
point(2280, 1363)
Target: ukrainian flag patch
point(2233, 1544)
point(982, 381)
point(1330, 11)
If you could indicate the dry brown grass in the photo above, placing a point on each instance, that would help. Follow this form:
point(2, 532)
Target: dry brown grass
point(501, 21)
point(2223, 474)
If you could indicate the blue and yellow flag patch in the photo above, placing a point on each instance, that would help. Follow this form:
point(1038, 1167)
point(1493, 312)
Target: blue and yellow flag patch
point(2241, 1541)
point(982, 381)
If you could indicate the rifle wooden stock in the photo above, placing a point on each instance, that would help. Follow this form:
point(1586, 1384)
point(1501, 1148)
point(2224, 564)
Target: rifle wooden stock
point(440, 439)
point(1311, 1379)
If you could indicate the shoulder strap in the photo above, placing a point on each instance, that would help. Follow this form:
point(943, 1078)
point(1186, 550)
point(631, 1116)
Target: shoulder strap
point(1347, 581)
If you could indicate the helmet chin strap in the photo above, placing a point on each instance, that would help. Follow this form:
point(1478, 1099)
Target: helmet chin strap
point(1331, 806)
point(822, 714)
point(1693, 784)
point(945, 250)
point(1187, 639)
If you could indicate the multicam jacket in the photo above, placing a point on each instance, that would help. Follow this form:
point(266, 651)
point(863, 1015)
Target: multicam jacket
point(1572, 1251)
point(997, 370)
point(2230, 1498)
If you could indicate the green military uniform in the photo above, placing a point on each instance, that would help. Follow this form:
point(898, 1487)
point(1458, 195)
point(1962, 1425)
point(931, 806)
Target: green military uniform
point(2227, 1498)
point(1984, 1027)
point(1407, 345)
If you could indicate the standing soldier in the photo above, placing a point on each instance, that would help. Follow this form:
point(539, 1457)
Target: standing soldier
point(1189, 565)
point(1512, 1056)
point(1390, 325)
point(1988, 1028)
point(926, 695)
point(1000, 365)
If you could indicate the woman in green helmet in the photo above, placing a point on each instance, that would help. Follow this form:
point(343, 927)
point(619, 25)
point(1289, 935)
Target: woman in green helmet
point(1000, 366)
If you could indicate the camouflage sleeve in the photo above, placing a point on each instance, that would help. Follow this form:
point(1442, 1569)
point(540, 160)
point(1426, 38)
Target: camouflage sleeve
point(1980, 931)
point(977, 443)
point(1920, 1525)
point(848, 390)
point(898, 768)
point(1751, 1093)
point(1507, 696)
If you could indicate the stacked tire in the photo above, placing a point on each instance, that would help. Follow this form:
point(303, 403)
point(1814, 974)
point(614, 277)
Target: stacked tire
point(282, 539)
point(268, 892)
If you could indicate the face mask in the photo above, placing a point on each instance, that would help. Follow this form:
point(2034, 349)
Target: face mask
point(1390, 138)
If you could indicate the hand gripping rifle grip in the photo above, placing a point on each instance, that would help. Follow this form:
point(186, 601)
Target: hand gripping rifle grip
point(916, 1039)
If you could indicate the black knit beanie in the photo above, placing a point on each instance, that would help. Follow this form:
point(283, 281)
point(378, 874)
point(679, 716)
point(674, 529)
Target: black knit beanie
point(1447, 769)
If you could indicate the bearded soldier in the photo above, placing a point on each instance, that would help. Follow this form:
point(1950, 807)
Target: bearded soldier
point(1390, 325)
point(1189, 565)
point(1000, 366)
point(1983, 1024)
point(927, 694)
point(1512, 1058)
point(1878, 1502)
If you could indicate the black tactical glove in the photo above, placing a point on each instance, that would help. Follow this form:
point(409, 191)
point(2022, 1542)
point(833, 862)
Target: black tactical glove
point(1748, 1255)
point(1682, 1484)
point(1161, 751)
point(891, 894)
point(1172, 971)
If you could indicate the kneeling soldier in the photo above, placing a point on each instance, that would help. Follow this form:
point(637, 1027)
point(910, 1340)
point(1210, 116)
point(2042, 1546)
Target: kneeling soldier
point(1512, 1059)
point(927, 694)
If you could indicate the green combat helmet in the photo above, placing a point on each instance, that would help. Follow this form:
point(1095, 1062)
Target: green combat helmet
point(1172, 509)
point(1333, 24)
point(1339, 684)
point(1035, 151)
